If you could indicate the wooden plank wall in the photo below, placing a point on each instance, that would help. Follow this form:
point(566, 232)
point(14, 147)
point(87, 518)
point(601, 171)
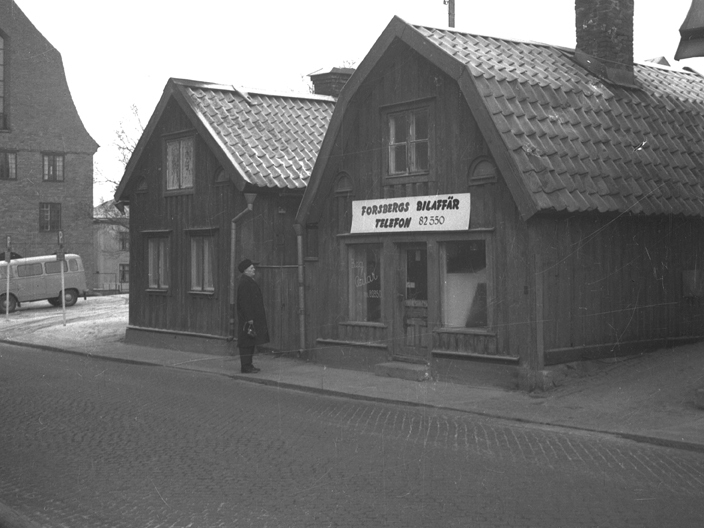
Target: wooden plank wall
point(618, 280)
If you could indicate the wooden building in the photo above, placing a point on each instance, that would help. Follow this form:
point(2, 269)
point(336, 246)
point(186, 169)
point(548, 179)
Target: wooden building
point(46, 154)
point(487, 201)
point(217, 177)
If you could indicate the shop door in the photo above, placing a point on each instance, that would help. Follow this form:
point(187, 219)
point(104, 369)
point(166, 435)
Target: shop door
point(412, 306)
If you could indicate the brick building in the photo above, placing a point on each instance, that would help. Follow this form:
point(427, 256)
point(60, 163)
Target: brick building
point(46, 154)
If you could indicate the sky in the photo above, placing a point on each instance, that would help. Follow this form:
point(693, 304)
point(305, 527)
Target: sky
point(121, 54)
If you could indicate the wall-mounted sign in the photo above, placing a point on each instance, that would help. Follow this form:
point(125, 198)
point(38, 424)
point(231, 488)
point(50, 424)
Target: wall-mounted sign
point(414, 213)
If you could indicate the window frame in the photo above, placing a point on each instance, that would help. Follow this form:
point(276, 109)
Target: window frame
point(203, 263)
point(353, 302)
point(50, 160)
point(490, 282)
point(123, 240)
point(163, 264)
point(123, 270)
point(8, 158)
point(182, 186)
point(52, 224)
point(411, 174)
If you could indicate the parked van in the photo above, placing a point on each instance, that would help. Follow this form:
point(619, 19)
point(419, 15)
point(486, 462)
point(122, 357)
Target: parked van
point(39, 278)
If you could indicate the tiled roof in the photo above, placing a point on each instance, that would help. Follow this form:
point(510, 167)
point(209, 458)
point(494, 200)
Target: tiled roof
point(273, 139)
point(581, 144)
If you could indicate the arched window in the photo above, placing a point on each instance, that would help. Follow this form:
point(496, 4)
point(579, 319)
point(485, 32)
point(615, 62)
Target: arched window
point(344, 194)
point(482, 171)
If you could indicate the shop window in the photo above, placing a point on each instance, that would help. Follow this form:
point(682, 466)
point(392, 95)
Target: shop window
point(365, 289)
point(158, 262)
point(465, 285)
point(180, 163)
point(202, 263)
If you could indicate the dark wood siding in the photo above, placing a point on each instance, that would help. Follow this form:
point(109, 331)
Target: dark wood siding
point(265, 235)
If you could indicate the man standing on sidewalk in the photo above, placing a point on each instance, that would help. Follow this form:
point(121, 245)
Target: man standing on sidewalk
point(251, 318)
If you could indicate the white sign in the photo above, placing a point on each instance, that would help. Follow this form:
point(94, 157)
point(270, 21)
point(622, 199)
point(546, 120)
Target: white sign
point(448, 212)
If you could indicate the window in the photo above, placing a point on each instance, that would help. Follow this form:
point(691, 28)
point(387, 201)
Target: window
point(123, 240)
point(30, 270)
point(124, 273)
point(482, 171)
point(158, 263)
point(179, 164)
point(49, 216)
point(464, 285)
point(202, 263)
point(53, 167)
point(55, 267)
point(3, 110)
point(409, 142)
point(365, 288)
point(8, 165)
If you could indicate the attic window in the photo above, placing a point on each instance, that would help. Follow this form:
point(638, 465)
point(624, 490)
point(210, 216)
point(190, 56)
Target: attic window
point(220, 176)
point(408, 141)
point(180, 163)
point(482, 171)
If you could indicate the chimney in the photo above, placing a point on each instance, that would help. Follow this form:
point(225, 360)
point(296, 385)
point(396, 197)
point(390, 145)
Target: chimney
point(605, 39)
point(332, 82)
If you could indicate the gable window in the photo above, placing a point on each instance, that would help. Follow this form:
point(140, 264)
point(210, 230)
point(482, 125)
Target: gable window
point(179, 163)
point(53, 167)
point(49, 216)
point(408, 142)
point(8, 165)
point(202, 263)
point(344, 194)
point(158, 262)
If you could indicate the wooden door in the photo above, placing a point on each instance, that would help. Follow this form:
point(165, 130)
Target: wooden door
point(279, 286)
point(412, 339)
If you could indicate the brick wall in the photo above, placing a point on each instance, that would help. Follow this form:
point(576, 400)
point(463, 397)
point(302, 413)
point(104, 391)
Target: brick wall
point(41, 117)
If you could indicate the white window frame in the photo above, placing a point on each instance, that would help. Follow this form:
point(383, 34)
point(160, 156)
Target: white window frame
point(202, 263)
point(158, 262)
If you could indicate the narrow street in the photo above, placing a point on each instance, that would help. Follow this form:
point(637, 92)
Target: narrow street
point(92, 443)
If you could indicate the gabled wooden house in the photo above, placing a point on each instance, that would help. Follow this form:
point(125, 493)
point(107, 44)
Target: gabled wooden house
point(494, 201)
point(217, 177)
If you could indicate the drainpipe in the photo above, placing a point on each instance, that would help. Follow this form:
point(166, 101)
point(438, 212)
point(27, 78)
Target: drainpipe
point(233, 266)
point(301, 290)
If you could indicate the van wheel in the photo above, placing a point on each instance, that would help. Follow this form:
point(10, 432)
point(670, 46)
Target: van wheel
point(13, 303)
point(56, 301)
point(71, 297)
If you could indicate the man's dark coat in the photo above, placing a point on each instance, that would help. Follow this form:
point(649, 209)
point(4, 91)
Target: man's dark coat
point(250, 307)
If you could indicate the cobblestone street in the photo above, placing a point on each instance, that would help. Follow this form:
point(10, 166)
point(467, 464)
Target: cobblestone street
point(91, 443)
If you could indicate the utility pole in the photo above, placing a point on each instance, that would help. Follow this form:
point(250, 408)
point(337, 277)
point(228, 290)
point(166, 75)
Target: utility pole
point(450, 12)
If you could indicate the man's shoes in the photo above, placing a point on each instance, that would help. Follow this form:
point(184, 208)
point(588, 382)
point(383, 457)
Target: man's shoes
point(250, 370)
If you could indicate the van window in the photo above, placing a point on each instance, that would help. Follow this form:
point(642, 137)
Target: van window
point(54, 267)
point(29, 270)
point(3, 272)
point(73, 265)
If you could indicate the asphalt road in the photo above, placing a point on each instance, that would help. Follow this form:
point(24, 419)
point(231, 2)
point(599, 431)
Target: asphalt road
point(92, 443)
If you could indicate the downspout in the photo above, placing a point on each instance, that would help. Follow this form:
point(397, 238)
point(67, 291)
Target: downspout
point(233, 266)
point(301, 290)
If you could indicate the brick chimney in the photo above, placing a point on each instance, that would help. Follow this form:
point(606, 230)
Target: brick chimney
point(605, 39)
point(332, 82)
